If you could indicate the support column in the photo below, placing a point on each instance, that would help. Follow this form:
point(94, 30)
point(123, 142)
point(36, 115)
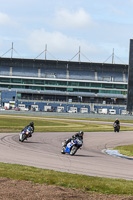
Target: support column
point(130, 79)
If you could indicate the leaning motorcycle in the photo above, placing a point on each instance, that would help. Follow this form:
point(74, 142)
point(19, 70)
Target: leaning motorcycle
point(24, 134)
point(116, 127)
point(72, 146)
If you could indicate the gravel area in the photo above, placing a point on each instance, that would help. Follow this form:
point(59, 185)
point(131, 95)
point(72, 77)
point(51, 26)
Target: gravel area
point(26, 190)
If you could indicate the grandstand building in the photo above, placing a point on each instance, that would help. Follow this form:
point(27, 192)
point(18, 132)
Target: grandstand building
point(62, 83)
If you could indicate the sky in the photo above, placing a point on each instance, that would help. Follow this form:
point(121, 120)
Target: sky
point(71, 30)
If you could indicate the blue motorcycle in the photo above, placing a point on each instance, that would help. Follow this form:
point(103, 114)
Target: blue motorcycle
point(24, 134)
point(72, 146)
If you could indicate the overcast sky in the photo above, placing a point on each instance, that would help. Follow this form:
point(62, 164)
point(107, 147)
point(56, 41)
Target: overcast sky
point(93, 27)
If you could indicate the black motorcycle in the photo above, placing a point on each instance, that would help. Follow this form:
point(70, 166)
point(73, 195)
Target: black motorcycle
point(116, 127)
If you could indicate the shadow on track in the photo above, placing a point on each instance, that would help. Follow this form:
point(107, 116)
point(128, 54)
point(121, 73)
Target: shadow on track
point(31, 142)
point(83, 155)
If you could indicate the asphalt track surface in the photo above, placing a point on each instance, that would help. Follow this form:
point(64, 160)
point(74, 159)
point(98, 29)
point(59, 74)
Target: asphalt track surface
point(43, 150)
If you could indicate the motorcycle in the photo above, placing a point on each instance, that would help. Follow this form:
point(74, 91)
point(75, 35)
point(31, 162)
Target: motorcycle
point(72, 146)
point(116, 127)
point(24, 134)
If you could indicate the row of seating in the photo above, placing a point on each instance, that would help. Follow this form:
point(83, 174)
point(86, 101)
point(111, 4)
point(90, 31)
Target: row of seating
point(64, 73)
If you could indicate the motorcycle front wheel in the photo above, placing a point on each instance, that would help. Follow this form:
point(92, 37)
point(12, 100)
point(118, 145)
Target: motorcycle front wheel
point(62, 151)
point(23, 137)
point(73, 150)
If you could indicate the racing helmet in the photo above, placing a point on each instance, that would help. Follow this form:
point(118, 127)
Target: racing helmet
point(81, 133)
point(31, 123)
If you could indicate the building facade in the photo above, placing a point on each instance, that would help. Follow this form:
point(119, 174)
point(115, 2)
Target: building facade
point(63, 82)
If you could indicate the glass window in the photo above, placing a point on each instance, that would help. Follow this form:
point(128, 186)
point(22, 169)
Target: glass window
point(5, 80)
point(73, 83)
point(70, 89)
point(120, 86)
point(82, 84)
point(14, 80)
point(27, 81)
point(39, 82)
point(107, 85)
point(95, 85)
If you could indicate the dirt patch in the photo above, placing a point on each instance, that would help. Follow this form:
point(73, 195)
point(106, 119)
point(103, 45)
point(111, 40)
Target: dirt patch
point(26, 190)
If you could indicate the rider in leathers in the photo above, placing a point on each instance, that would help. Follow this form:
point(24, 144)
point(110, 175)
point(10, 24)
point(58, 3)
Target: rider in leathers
point(78, 135)
point(117, 122)
point(31, 126)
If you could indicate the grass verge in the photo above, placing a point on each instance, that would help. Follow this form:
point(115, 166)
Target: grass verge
point(126, 150)
point(73, 181)
point(16, 124)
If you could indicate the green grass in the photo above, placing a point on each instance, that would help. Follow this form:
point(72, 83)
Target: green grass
point(126, 150)
point(16, 124)
point(73, 181)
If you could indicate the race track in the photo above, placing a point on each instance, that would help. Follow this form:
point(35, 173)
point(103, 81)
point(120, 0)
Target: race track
point(43, 151)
